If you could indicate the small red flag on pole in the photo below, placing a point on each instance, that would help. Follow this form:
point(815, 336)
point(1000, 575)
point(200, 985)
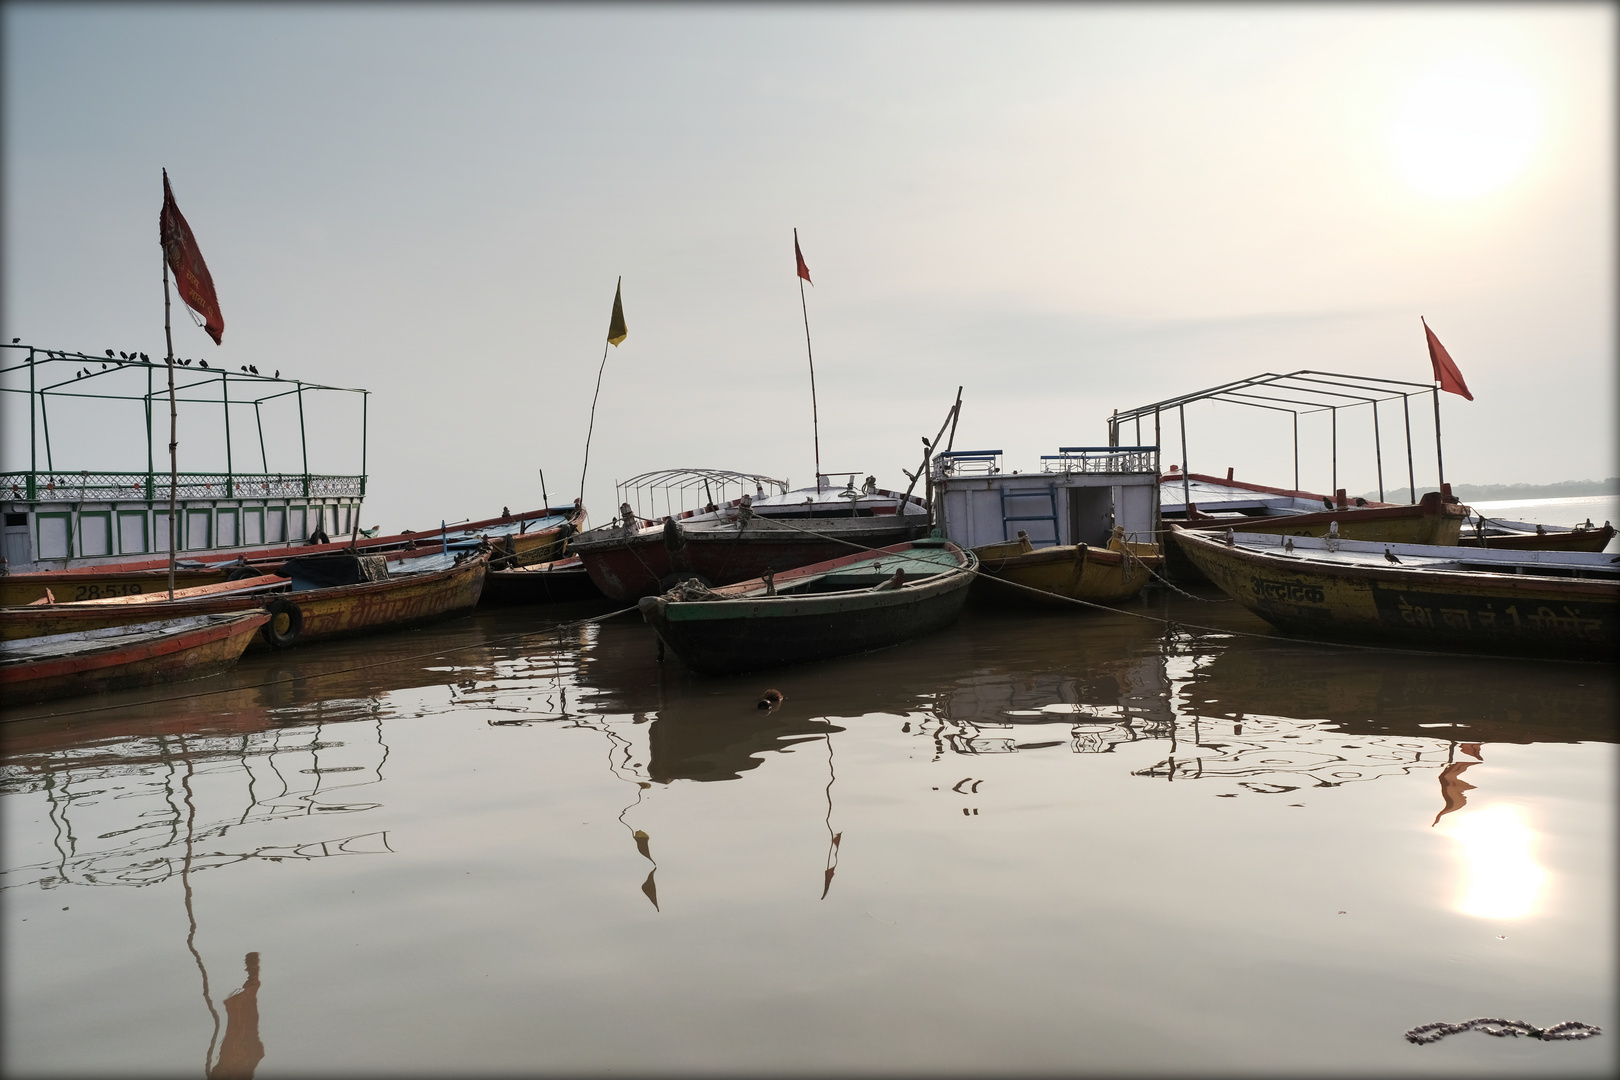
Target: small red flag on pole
point(191, 275)
point(1445, 369)
point(804, 271)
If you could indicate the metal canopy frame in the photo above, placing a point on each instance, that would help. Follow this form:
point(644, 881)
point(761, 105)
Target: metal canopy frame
point(713, 482)
point(252, 390)
point(1299, 393)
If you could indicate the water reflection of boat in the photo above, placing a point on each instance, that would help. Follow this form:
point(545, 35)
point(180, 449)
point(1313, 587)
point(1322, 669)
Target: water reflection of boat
point(702, 746)
point(1408, 696)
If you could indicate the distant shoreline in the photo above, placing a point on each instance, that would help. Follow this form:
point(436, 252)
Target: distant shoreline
point(1566, 489)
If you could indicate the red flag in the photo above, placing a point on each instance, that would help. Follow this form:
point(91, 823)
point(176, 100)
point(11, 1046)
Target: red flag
point(1445, 369)
point(191, 275)
point(804, 271)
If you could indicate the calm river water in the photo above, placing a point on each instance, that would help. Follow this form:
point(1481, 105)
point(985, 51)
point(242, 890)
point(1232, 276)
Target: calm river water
point(1034, 842)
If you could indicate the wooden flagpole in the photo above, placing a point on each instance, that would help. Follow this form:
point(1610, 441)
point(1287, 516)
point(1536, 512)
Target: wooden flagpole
point(1439, 462)
point(592, 426)
point(598, 393)
point(174, 461)
point(815, 420)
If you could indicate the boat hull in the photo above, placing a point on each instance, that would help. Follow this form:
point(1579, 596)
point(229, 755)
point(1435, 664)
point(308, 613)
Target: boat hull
point(1431, 520)
point(642, 564)
point(187, 654)
point(1014, 574)
point(33, 622)
point(1531, 615)
point(722, 637)
point(545, 583)
point(380, 606)
point(143, 576)
point(1572, 540)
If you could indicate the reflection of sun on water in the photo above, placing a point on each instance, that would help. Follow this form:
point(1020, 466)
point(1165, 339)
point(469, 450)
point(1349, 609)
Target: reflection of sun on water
point(1504, 880)
point(1466, 127)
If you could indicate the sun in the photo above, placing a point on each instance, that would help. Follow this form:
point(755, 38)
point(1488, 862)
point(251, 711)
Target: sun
point(1466, 127)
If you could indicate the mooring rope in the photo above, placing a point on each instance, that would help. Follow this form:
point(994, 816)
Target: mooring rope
point(1566, 1031)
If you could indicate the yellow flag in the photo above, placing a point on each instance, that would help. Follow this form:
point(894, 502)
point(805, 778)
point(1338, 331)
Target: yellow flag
point(616, 330)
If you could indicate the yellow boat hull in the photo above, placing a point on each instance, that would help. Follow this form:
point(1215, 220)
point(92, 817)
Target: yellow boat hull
point(1570, 618)
point(1016, 572)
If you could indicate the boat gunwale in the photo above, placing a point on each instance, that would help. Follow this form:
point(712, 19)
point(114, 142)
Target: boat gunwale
point(1476, 579)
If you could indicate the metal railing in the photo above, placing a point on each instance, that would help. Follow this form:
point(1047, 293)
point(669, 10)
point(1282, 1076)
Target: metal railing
point(1102, 459)
point(154, 486)
point(967, 463)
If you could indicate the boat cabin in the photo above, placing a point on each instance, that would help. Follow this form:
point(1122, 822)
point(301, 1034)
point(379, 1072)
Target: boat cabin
point(1078, 496)
point(58, 517)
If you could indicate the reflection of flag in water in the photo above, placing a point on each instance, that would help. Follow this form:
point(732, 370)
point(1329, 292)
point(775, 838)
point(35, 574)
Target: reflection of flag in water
point(1453, 789)
point(832, 864)
point(241, 1051)
point(650, 889)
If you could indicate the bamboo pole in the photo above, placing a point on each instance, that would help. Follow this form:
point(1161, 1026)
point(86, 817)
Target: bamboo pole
point(174, 460)
point(815, 419)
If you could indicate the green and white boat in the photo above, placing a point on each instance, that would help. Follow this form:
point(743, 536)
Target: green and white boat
point(855, 603)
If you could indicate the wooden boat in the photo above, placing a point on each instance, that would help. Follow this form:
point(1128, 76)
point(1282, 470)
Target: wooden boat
point(375, 594)
point(552, 582)
point(534, 533)
point(113, 658)
point(1047, 575)
point(744, 538)
point(855, 603)
point(1560, 604)
point(1530, 536)
point(1437, 518)
point(41, 619)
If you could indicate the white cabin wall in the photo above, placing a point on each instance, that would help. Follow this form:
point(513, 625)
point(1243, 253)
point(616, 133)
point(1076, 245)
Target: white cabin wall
point(1133, 509)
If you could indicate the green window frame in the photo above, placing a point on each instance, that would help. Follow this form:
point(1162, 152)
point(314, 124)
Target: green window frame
point(125, 517)
point(65, 517)
point(192, 517)
point(99, 521)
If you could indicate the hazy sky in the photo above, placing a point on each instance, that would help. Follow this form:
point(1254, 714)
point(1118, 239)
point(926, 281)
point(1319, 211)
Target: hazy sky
point(1066, 210)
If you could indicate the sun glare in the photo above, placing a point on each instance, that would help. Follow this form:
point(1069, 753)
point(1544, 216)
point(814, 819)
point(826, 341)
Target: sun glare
point(1504, 880)
point(1466, 127)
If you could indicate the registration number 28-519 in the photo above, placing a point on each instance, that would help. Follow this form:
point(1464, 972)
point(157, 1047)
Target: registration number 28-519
point(96, 592)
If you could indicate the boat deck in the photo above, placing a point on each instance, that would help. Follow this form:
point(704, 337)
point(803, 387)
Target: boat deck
point(1329, 550)
point(86, 641)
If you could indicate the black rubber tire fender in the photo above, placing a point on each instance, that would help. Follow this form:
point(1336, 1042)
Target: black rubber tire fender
point(278, 606)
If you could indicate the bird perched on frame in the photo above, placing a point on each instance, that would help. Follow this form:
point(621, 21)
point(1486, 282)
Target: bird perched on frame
point(109, 352)
point(1390, 556)
point(1327, 502)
